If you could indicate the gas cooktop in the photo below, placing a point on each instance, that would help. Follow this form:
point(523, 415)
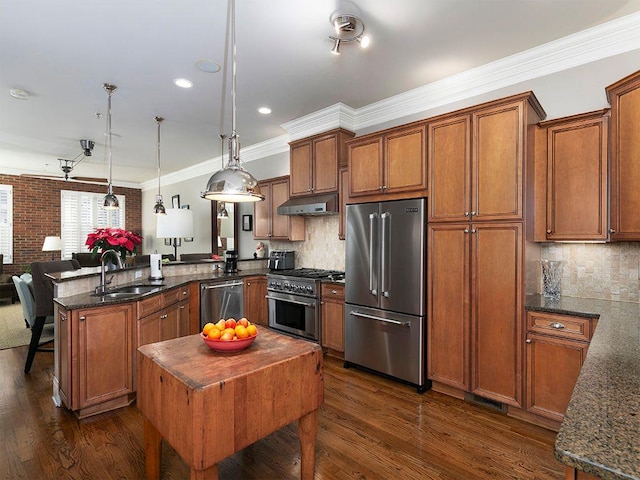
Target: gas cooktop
point(312, 273)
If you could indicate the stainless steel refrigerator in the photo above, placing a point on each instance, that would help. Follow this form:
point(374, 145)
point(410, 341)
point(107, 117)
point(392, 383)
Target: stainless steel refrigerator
point(385, 289)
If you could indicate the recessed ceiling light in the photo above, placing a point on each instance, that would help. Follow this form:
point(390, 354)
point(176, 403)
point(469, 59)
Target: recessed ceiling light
point(183, 83)
point(19, 94)
point(208, 66)
point(264, 110)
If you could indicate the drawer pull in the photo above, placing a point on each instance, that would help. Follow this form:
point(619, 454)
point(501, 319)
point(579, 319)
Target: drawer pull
point(83, 318)
point(528, 340)
point(556, 325)
point(334, 292)
point(63, 317)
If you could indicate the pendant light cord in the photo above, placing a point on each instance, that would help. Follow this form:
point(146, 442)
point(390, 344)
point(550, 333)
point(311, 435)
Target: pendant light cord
point(158, 121)
point(233, 139)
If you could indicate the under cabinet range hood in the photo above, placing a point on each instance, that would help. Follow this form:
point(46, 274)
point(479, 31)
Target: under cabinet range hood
point(315, 205)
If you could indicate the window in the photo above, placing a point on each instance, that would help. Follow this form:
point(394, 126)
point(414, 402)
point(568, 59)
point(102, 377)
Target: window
point(81, 213)
point(6, 222)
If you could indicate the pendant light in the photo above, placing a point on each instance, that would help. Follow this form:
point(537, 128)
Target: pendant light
point(159, 209)
point(233, 183)
point(222, 211)
point(110, 200)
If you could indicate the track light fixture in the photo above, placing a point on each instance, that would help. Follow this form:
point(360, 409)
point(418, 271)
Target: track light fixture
point(347, 28)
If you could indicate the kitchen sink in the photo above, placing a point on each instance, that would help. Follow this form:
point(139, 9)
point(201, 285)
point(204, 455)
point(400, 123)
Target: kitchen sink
point(129, 291)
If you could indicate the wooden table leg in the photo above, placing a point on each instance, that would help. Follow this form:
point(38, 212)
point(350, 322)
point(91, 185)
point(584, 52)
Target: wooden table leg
point(152, 451)
point(210, 473)
point(307, 431)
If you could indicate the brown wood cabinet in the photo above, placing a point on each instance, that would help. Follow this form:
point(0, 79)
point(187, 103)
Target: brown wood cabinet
point(576, 162)
point(624, 97)
point(268, 225)
point(573, 474)
point(332, 314)
point(255, 303)
point(388, 165)
point(344, 195)
point(96, 358)
point(314, 163)
point(163, 316)
point(476, 160)
point(475, 304)
point(556, 347)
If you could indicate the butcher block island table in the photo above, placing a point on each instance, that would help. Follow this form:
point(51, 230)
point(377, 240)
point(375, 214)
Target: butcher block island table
point(208, 405)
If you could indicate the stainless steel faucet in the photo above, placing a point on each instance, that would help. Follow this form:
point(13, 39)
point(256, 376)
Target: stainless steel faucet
point(102, 288)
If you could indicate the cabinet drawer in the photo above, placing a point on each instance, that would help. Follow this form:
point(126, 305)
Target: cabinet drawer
point(332, 291)
point(565, 326)
point(175, 295)
point(149, 305)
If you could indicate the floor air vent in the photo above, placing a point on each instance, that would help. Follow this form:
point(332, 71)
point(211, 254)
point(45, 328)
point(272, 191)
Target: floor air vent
point(485, 402)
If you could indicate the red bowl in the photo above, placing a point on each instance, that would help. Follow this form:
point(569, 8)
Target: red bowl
point(228, 345)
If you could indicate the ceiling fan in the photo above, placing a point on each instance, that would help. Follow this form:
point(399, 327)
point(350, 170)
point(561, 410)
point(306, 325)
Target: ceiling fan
point(67, 166)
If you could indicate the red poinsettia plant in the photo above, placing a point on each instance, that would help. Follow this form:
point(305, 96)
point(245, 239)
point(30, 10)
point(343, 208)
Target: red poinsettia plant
point(118, 239)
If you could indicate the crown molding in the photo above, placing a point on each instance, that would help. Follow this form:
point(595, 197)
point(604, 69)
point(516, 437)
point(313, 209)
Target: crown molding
point(273, 146)
point(338, 115)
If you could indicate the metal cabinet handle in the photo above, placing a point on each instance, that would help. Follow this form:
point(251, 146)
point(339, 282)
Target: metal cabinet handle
point(556, 325)
point(612, 230)
point(466, 230)
point(334, 292)
point(528, 340)
point(83, 318)
point(181, 307)
point(473, 214)
point(184, 292)
point(248, 284)
point(473, 230)
point(466, 214)
point(549, 231)
point(63, 317)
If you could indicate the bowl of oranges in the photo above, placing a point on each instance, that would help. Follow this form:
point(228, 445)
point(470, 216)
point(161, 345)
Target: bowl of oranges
point(229, 335)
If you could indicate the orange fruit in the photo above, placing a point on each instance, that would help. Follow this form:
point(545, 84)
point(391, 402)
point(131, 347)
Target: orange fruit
point(232, 331)
point(207, 328)
point(252, 330)
point(241, 331)
point(214, 334)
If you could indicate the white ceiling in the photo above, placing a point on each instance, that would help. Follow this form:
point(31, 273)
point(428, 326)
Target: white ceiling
point(62, 51)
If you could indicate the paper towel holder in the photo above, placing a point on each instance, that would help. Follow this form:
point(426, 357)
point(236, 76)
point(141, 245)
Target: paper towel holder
point(155, 262)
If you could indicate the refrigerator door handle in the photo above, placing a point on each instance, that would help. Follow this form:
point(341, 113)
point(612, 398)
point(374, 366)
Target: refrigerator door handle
point(384, 257)
point(379, 319)
point(373, 288)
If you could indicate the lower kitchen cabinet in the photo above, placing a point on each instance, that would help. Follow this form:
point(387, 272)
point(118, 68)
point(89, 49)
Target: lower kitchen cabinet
point(475, 303)
point(332, 315)
point(556, 347)
point(163, 316)
point(96, 358)
point(573, 474)
point(255, 302)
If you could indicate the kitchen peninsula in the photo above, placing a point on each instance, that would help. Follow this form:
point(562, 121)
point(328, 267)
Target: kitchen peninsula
point(599, 433)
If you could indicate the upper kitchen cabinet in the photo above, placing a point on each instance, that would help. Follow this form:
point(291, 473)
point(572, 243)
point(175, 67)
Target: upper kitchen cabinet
point(576, 162)
point(388, 165)
point(314, 163)
point(624, 97)
point(268, 224)
point(476, 160)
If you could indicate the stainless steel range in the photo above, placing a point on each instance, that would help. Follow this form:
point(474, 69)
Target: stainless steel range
point(294, 300)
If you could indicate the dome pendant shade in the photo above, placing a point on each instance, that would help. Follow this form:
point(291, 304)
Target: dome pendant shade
point(159, 208)
point(110, 200)
point(232, 184)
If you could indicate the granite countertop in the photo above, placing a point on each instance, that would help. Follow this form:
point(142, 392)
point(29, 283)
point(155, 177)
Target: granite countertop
point(89, 299)
point(600, 433)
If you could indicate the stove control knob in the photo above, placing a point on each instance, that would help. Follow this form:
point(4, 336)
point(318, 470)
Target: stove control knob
point(309, 289)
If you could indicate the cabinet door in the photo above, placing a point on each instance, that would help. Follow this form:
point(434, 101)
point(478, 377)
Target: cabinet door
point(553, 365)
point(169, 323)
point(325, 164)
point(405, 163)
point(255, 303)
point(577, 206)
point(184, 315)
point(262, 214)
point(449, 158)
point(365, 167)
point(301, 169)
point(63, 350)
point(624, 97)
point(105, 354)
point(496, 311)
point(448, 300)
point(332, 314)
point(148, 329)
point(497, 162)
point(279, 223)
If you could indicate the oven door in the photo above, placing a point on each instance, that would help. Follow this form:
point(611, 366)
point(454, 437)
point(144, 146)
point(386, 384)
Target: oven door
point(294, 314)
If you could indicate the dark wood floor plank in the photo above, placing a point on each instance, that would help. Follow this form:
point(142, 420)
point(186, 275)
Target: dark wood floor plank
point(369, 428)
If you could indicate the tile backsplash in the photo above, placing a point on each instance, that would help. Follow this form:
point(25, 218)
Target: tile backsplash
point(322, 248)
point(604, 271)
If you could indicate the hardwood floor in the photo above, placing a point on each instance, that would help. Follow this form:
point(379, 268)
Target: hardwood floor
point(369, 428)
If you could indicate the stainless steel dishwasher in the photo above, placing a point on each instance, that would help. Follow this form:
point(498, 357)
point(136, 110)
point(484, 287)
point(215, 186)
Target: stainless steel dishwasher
point(221, 299)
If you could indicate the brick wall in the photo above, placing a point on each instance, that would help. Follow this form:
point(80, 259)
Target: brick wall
point(36, 214)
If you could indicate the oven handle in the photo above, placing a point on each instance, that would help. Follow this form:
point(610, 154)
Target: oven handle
point(297, 302)
point(221, 285)
point(380, 319)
